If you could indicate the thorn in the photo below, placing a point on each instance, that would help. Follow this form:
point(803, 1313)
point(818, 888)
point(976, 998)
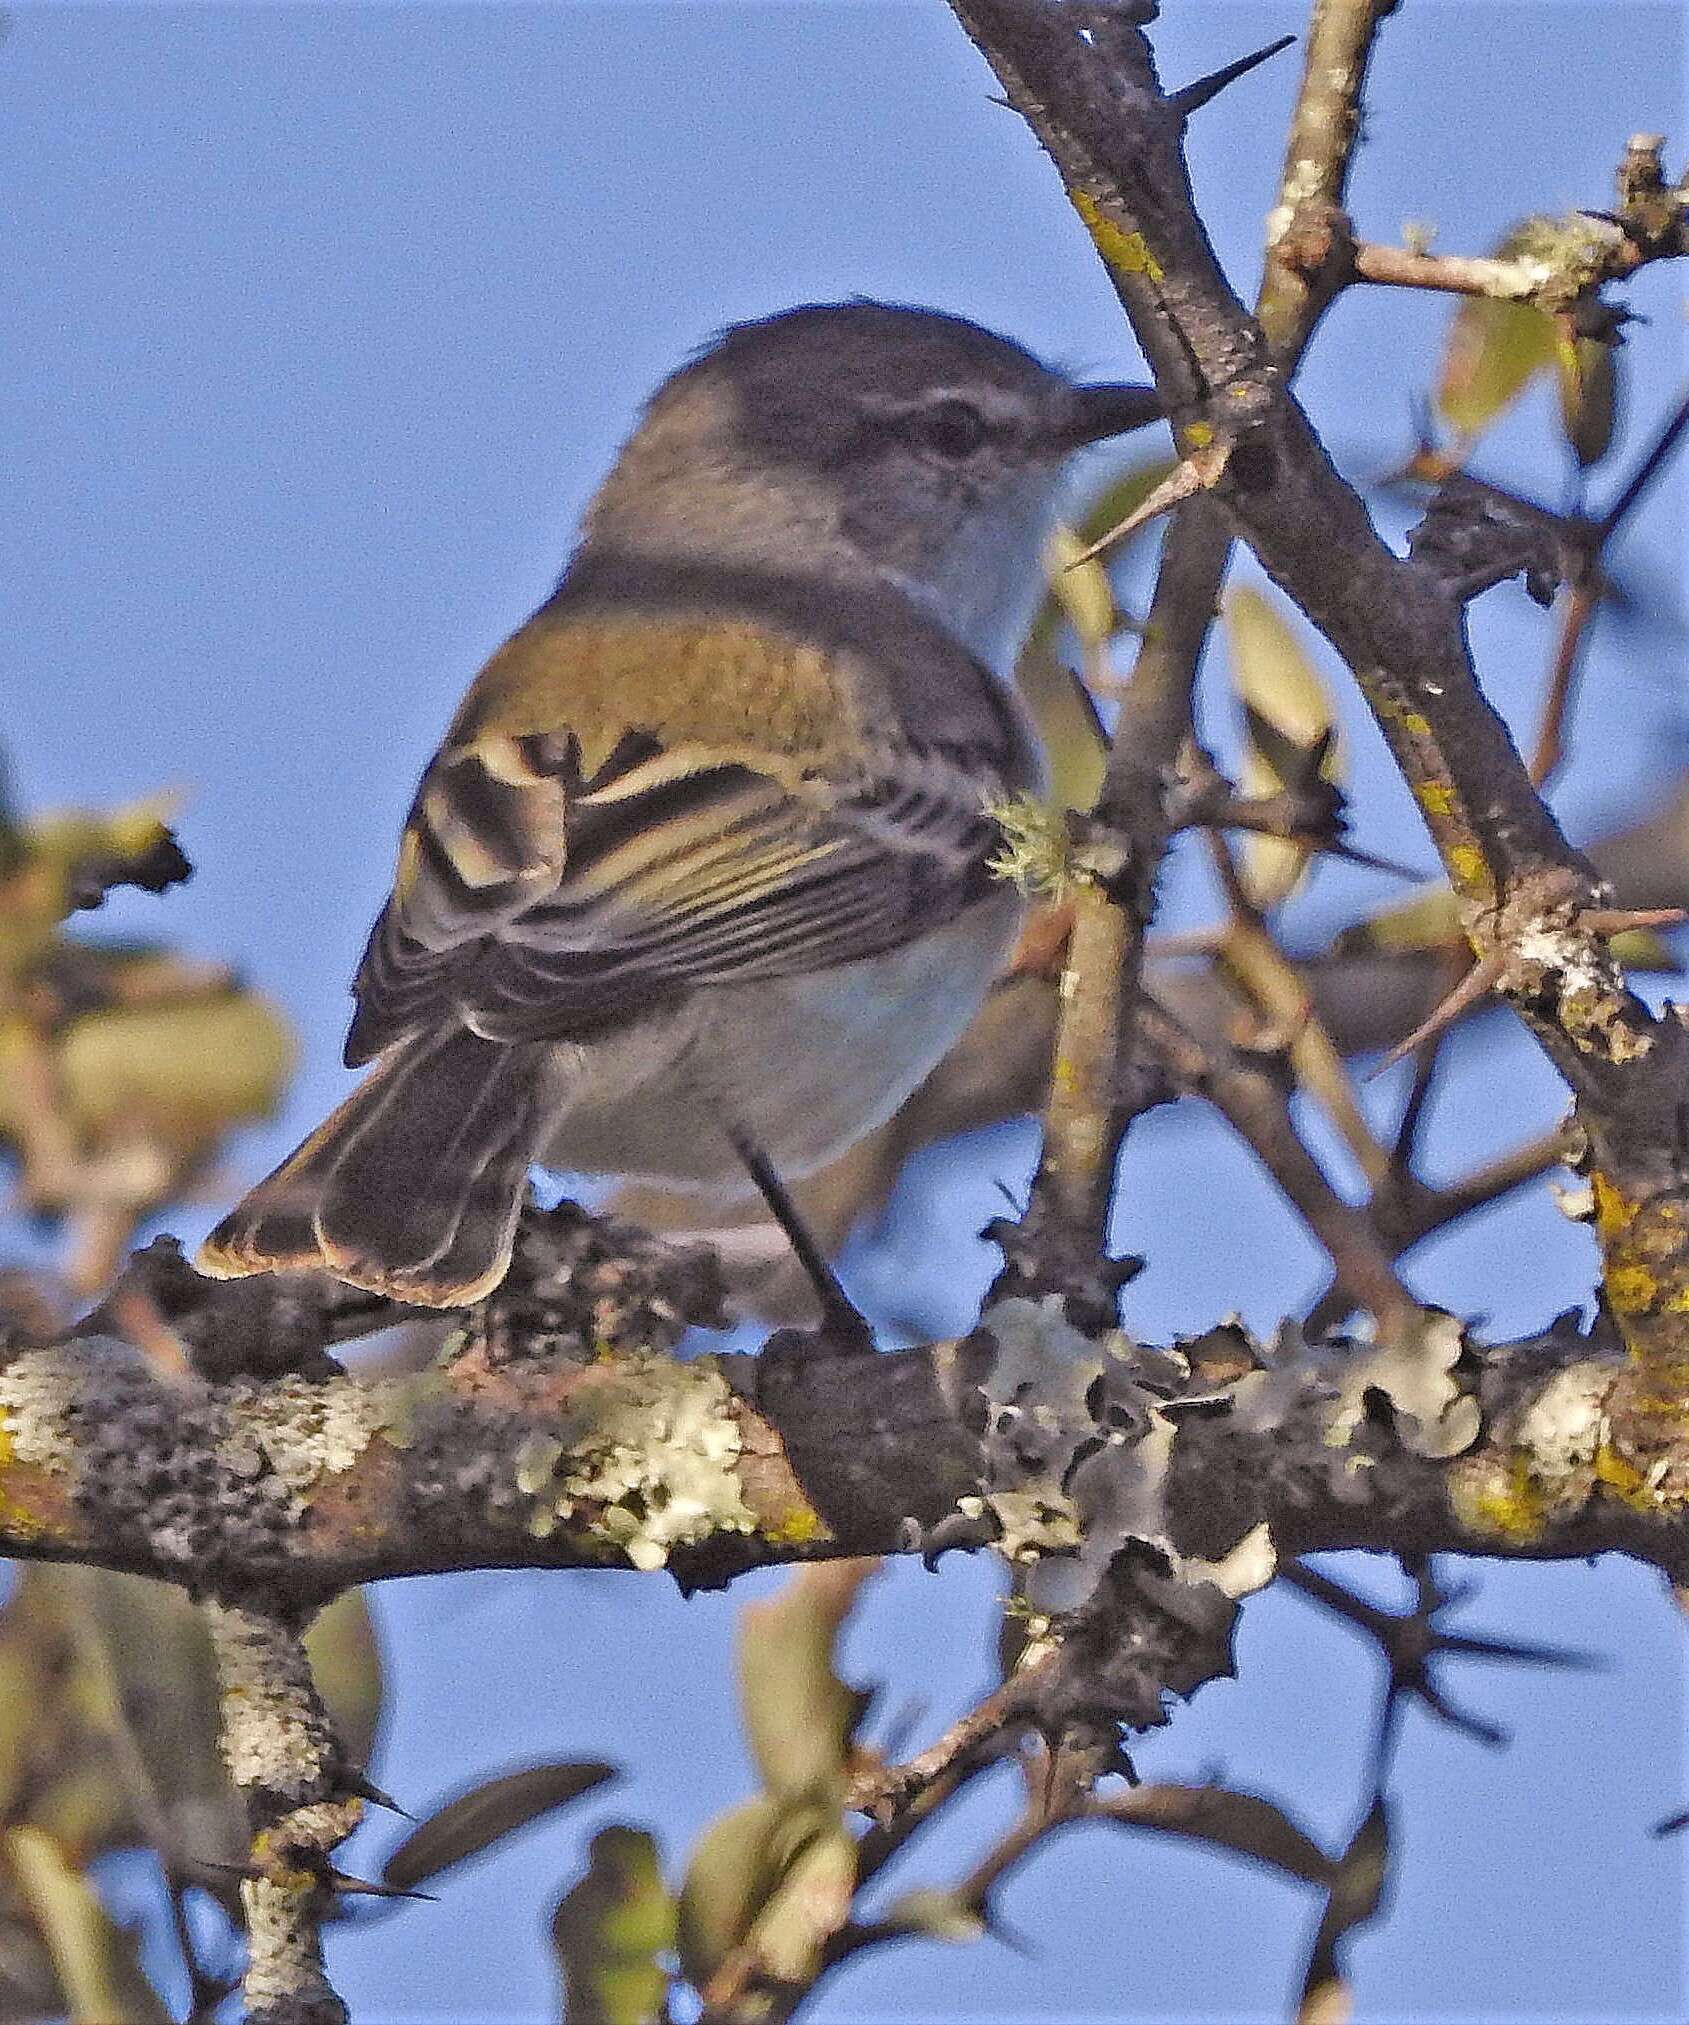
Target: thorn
point(211, 1866)
point(366, 1887)
point(1523, 1652)
point(1200, 471)
point(1011, 1936)
point(1621, 920)
point(1353, 855)
point(1193, 97)
point(1119, 1764)
point(1476, 1727)
point(1472, 987)
point(362, 1787)
point(1231, 816)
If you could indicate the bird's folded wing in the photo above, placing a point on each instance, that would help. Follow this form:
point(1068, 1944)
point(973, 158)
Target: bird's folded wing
point(532, 902)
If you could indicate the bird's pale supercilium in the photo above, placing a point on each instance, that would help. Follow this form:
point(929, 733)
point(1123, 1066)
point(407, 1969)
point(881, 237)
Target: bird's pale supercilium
point(699, 876)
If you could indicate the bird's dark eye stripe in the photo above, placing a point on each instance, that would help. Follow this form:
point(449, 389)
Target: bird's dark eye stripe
point(952, 427)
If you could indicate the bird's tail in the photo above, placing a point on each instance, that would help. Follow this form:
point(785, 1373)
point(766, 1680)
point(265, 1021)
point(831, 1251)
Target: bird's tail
point(412, 1187)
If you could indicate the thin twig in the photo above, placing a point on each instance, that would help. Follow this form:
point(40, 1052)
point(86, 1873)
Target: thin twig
point(1156, 711)
point(1550, 748)
point(1410, 1210)
point(1259, 1112)
point(1646, 472)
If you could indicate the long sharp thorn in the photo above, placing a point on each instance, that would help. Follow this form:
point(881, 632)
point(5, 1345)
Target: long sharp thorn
point(1466, 994)
point(347, 1886)
point(1198, 472)
point(1522, 1654)
point(364, 1788)
point(1193, 97)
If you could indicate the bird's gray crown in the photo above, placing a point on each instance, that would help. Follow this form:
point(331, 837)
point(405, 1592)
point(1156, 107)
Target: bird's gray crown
point(813, 383)
point(858, 437)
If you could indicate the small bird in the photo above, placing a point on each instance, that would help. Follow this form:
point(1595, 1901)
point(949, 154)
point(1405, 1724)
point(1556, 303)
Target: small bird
point(699, 881)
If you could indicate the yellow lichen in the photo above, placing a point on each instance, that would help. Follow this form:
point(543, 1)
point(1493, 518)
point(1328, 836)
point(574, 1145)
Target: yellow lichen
point(1613, 1208)
point(1627, 1483)
point(1125, 252)
point(1467, 867)
point(1632, 1290)
point(795, 1528)
point(1501, 1499)
point(15, 1520)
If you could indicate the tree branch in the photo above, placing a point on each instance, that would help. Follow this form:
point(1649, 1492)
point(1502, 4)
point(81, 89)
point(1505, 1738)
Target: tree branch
point(281, 1753)
point(1093, 1097)
point(1084, 79)
point(527, 1456)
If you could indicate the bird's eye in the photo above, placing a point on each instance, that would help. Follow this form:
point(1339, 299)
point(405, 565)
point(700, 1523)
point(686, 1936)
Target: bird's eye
point(951, 428)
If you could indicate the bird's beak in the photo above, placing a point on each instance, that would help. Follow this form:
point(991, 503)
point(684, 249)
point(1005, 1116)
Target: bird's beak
point(1109, 410)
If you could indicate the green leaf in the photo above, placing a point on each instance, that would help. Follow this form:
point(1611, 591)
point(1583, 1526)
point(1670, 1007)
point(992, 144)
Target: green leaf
point(1494, 349)
point(1075, 747)
point(346, 1665)
point(1290, 721)
point(1587, 374)
point(939, 1915)
point(1081, 590)
point(809, 1906)
point(610, 1929)
point(479, 1816)
point(735, 1865)
point(97, 1961)
point(740, 1870)
point(799, 1716)
point(185, 1072)
point(100, 1668)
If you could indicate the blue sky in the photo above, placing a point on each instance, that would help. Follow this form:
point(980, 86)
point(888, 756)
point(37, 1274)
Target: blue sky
point(320, 325)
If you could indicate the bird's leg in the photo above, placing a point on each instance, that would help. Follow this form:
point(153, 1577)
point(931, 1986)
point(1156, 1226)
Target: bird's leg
point(840, 1317)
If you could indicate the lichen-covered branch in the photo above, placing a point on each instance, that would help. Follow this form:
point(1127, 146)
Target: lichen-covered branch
point(290, 1490)
point(281, 1753)
point(1555, 264)
point(1093, 1095)
point(1085, 81)
point(1301, 278)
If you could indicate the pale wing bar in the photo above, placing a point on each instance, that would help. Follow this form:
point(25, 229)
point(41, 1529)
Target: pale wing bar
point(677, 871)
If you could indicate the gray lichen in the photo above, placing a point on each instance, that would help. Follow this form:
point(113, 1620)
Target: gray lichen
point(1412, 1367)
point(305, 1430)
point(1078, 1447)
point(45, 1393)
point(645, 1461)
point(275, 1737)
